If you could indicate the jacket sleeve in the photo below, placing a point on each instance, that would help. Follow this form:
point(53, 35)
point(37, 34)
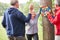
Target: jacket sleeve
point(39, 12)
point(22, 17)
point(57, 18)
point(54, 20)
point(4, 21)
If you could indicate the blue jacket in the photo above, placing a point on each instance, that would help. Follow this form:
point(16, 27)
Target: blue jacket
point(14, 22)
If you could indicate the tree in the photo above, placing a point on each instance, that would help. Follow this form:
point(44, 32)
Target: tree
point(48, 28)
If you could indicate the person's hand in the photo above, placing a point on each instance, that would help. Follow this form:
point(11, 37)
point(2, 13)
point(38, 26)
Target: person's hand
point(30, 11)
point(42, 14)
point(49, 14)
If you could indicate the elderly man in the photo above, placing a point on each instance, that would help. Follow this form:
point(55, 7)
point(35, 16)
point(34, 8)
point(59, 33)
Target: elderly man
point(14, 22)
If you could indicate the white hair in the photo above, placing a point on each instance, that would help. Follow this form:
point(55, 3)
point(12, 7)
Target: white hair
point(57, 2)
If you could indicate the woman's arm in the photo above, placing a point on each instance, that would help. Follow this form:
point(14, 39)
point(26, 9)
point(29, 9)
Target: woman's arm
point(39, 12)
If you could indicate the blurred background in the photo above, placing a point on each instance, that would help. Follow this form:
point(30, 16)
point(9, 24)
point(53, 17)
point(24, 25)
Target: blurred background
point(24, 7)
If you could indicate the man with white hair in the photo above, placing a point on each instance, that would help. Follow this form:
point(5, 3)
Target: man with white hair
point(14, 22)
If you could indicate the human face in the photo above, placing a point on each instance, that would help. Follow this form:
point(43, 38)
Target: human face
point(17, 4)
point(31, 7)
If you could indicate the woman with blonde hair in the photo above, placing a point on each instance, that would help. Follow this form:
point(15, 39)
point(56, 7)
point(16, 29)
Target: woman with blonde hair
point(32, 26)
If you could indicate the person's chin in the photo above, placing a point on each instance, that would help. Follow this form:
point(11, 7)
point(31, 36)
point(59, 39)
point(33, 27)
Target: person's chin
point(17, 7)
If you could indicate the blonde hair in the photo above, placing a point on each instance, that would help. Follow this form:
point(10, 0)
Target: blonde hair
point(31, 4)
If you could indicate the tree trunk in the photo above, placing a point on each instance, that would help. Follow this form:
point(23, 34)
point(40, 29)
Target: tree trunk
point(48, 28)
point(46, 3)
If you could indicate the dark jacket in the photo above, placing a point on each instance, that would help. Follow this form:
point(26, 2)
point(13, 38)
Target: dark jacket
point(14, 22)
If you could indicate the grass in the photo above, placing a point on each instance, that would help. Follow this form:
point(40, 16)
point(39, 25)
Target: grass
point(40, 28)
point(3, 35)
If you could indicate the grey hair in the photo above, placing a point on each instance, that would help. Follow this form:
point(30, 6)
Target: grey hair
point(13, 2)
point(57, 2)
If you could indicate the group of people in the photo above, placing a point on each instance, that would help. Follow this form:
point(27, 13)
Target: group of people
point(15, 21)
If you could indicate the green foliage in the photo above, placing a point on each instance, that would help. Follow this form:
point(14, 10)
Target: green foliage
point(3, 35)
point(53, 3)
point(3, 7)
point(25, 7)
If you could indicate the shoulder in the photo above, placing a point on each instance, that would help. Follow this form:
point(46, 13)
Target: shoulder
point(17, 11)
point(58, 12)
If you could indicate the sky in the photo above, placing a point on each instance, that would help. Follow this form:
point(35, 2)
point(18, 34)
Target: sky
point(20, 1)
